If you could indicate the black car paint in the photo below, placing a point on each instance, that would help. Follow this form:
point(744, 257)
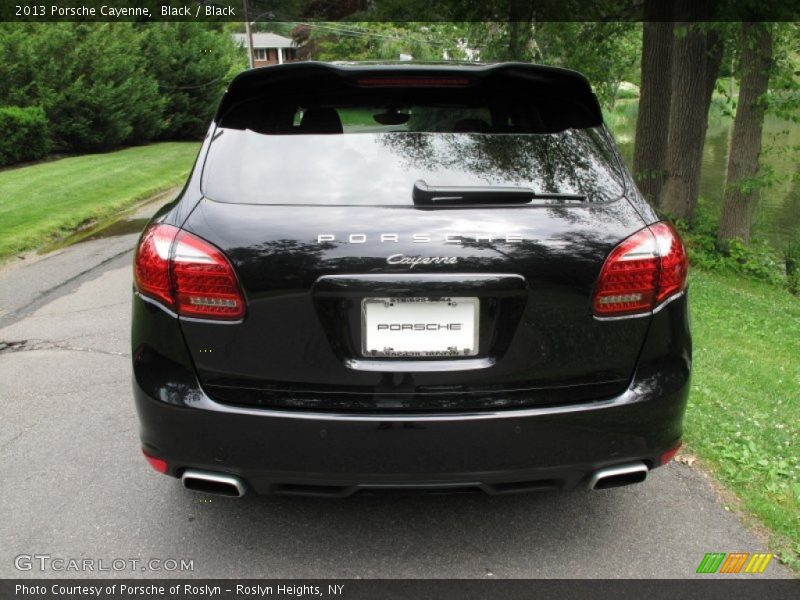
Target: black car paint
point(555, 339)
point(334, 453)
point(321, 423)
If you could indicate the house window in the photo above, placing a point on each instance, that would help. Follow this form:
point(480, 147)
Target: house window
point(260, 53)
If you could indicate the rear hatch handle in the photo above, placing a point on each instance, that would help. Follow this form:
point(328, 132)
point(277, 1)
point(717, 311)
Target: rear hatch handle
point(425, 195)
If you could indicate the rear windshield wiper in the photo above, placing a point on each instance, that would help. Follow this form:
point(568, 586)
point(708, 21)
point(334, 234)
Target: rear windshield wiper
point(432, 196)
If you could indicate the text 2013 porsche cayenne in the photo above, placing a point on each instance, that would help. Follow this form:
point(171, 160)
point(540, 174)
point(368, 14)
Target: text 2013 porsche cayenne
point(409, 276)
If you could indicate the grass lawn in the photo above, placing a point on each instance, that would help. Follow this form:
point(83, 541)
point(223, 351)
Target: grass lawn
point(743, 418)
point(43, 202)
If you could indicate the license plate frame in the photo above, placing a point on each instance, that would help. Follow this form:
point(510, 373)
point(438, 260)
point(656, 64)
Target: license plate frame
point(425, 343)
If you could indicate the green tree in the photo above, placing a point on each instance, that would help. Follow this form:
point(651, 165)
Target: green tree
point(104, 97)
point(607, 53)
point(90, 80)
point(378, 40)
point(15, 58)
point(192, 63)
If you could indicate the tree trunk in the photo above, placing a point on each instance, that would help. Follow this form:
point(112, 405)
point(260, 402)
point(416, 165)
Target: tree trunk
point(739, 202)
point(520, 15)
point(713, 63)
point(650, 143)
point(696, 58)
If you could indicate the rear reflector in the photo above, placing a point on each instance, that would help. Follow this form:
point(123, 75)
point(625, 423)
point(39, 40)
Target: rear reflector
point(158, 464)
point(187, 274)
point(669, 454)
point(641, 272)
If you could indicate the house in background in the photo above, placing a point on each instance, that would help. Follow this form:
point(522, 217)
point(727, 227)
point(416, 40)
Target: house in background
point(269, 48)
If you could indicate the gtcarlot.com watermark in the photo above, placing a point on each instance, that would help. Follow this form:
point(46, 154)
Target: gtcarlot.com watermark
point(47, 563)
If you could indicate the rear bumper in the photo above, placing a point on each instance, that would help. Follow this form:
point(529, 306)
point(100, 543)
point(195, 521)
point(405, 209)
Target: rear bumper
point(542, 448)
point(282, 451)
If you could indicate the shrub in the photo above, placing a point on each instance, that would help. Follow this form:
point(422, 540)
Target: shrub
point(105, 85)
point(23, 134)
point(627, 91)
point(791, 256)
point(757, 260)
point(102, 97)
point(89, 78)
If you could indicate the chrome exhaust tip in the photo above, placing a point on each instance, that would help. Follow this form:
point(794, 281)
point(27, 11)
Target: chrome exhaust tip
point(617, 476)
point(207, 482)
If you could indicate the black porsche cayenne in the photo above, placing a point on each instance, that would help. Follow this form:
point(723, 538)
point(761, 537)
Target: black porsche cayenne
point(409, 276)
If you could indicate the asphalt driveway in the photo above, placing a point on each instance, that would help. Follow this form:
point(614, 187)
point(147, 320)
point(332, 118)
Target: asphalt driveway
point(74, 484)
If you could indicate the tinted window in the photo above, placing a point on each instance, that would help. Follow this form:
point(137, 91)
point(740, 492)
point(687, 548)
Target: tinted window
point(244, 166)
point(414, 110)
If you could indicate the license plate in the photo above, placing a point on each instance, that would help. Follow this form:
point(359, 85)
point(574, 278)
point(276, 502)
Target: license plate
point(419, 327)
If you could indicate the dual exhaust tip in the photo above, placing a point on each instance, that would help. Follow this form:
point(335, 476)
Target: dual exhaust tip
point(231, 486)
point(617, 476)
point(219, 484)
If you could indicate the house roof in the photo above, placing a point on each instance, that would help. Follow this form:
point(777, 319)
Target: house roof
point(265, 40)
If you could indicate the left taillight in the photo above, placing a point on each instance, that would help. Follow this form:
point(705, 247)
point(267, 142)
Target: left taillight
point(187, 274)
point(643, 271)
point(159, 464)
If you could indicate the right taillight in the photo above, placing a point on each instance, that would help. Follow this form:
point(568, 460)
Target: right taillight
point(187, 274)
point(643, 271)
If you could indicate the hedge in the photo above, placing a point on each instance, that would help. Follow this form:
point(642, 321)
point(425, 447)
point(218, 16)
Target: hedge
point(23, 134)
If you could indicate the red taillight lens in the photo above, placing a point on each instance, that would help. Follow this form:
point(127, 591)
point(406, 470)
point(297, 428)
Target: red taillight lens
point(187, 274)
point(640, 273)
point(158, 464)
point(674, 262)
point(205, 284)
point(151, 265)
point(669, 454)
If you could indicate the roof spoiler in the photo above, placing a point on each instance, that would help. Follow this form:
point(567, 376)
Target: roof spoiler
point(564, 88)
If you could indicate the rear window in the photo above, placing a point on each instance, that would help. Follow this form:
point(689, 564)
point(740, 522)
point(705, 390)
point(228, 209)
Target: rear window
point(415, 111)
point(324, 135)
point(369, 168)
point(441, 119)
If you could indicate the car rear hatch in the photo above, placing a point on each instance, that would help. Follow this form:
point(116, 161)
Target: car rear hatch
point(430, 191)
